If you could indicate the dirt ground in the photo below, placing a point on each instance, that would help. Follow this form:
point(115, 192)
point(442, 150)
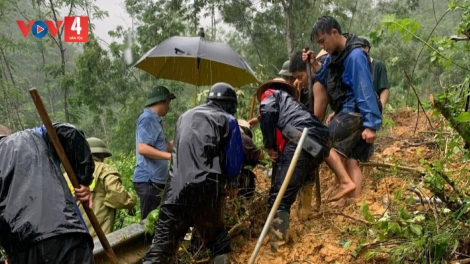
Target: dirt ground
point(321, 239)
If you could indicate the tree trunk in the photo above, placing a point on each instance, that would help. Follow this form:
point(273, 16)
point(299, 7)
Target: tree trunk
point(16, 105)
point(11, 106)
point(6, 104)
point(51, 103)
point(462, 128)
point(289, 19)
point(213, 21)
point(60, 45)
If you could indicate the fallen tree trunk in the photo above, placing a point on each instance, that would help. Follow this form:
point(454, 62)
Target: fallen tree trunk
point(462, 128)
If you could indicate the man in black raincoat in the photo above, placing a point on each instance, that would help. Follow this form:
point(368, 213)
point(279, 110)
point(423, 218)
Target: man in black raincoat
point(39, 219)
point(282, 120)
point(207, 153)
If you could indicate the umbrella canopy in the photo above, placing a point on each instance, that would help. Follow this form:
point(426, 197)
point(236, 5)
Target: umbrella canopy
point(197, 61)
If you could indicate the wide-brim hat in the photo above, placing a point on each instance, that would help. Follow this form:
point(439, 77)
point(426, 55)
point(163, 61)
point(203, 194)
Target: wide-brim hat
point(271, 84)
point(243, 123)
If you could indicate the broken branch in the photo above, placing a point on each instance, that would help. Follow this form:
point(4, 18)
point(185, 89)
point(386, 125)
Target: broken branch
point(434, 132)
point(236, 229)
point(386, 165)
point(353, 218)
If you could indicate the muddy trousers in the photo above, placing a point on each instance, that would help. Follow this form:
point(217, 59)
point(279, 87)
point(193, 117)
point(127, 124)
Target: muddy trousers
point(173, 223)
point(72, 248)
point(297, 180)
point(280, 223)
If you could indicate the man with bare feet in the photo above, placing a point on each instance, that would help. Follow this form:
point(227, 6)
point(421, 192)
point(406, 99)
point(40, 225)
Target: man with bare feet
point(298, 67)
point(347, 78)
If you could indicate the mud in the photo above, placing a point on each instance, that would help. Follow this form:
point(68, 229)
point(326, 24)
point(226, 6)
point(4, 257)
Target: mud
point(329, 236)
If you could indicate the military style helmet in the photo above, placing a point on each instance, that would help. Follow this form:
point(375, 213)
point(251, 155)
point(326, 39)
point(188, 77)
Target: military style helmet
point(158, 94)
point(365, 41)
point(222, 91)
point(97, 146)
point(285, 70)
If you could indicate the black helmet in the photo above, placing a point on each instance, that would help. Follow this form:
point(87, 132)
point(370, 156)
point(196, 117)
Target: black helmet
point(365, 41)
point(222, 91)
point(224, 96)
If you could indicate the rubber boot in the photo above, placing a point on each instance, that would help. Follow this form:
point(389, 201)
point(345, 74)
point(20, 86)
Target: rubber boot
point(304, 203)
point(222, 259)
point(279, 229)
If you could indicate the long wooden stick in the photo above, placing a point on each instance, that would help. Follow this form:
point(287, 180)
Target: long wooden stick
point(286, 182)
point(252, 107)
point(68, 168)
point(311, 102)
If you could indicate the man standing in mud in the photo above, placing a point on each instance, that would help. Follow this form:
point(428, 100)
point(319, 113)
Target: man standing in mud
point(39, 219)
point(347, 77)
point(282, 120)
point(207, 154)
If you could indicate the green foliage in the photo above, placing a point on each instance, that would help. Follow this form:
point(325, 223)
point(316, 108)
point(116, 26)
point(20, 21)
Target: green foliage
point(417, 235)
point(125, 165)
point(2, 253)
point(152, 221)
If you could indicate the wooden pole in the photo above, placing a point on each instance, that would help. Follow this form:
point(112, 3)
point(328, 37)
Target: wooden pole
point(311, 101)
point(252, 108)
point(68, 168)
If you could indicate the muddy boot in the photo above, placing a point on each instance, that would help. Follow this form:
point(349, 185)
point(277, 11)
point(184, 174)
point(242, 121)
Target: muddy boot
point(279, 229)
point(221, 259)
point(304, 203)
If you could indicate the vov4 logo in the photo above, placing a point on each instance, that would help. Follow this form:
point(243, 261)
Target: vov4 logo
point(75, 28)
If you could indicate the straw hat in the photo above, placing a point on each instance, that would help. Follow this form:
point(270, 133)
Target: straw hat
point(243, 123)
point(272, 84)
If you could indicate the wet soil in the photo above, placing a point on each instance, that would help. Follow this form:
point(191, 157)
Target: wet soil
point(331, 235)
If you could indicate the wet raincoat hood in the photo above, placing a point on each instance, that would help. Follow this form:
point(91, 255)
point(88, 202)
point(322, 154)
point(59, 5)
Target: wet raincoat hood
point(207, 152)
point(278, 109)
point(35, 202)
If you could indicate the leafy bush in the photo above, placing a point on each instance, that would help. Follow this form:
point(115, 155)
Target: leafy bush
point(125, 165)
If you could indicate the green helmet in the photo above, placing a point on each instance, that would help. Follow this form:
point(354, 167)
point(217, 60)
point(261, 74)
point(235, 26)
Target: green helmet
point(285, 69)
point(97, 146)
point(158, 94)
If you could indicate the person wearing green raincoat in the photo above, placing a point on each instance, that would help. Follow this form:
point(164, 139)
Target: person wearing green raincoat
point(107, 192)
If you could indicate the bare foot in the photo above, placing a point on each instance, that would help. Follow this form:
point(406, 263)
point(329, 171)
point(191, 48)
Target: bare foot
point(338, 204)
point(331, 189)
point(342, 191)
point(341, 203)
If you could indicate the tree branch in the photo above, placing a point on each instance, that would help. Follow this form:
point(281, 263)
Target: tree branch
point(353, 218)
point(419, 100)
point(387, 165)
